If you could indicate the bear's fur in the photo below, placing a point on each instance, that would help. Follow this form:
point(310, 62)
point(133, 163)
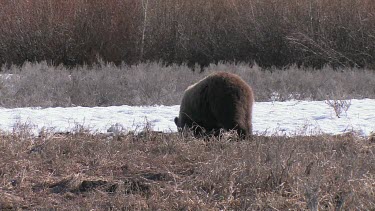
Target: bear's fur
point(219, 101)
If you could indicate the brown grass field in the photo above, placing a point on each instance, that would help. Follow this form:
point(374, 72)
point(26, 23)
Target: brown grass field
point(156, 171)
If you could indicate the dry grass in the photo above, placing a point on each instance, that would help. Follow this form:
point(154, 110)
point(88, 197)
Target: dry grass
point(305, 32)
point(168, 172)
point(39, 84)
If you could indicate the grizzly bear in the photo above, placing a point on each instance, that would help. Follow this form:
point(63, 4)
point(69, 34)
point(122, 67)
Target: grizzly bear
point(221, 100)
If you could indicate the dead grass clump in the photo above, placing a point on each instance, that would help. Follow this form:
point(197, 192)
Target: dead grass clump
point(372, 137)
point(169, 172)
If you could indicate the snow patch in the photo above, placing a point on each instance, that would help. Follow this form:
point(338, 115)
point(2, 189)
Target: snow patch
point(269, 118)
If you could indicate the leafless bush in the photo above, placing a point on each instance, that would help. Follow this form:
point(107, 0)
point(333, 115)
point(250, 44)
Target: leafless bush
point(339, 106)
point(37, 84)
point(105, 84)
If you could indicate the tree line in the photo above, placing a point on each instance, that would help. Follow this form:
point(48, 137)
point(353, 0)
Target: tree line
point(271, 33)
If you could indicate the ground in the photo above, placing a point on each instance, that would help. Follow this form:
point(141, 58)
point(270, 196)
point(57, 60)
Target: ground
point(153, 170)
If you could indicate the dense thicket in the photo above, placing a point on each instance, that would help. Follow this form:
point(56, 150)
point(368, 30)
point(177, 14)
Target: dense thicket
point(269, 32)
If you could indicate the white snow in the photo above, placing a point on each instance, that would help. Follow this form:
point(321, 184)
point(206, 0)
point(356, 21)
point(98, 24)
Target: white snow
point(269, 118)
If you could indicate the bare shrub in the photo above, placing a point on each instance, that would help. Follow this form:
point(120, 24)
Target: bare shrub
point(303, 83)
point(142, 84)
point(37, 84)
point(105, 84)
point(339, 106)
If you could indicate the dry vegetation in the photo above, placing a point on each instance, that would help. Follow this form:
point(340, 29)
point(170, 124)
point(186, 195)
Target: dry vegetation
point(104, 84)
point(155, 171)
point(140, 53)
point(269, 32)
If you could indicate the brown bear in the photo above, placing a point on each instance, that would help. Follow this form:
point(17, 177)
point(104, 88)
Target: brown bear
point(221, 100)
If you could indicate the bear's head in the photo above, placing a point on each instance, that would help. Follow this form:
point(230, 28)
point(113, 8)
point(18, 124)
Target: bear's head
point(178, 124)
point(176, 121)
